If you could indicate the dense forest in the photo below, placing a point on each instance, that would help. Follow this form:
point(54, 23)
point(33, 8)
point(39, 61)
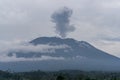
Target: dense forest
point(60, 75)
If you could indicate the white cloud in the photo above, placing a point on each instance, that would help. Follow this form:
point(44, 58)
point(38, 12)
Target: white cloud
point(6, 58)
point(16, 46)
point(38, 48)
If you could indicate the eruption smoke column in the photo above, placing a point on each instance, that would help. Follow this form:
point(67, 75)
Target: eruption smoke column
point(62, 21)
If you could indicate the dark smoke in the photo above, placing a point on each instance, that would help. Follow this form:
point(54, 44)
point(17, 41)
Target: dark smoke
point(62, 20)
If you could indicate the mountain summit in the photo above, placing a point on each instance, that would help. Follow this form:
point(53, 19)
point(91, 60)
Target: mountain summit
point(78, 48)
point(54, 53)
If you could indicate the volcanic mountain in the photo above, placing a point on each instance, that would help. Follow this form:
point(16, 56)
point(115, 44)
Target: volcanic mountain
point(54, 53)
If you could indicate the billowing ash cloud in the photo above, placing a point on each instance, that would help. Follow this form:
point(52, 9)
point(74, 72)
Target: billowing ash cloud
point(62, 20)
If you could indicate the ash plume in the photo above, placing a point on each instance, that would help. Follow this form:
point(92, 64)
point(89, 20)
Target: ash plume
point(62, 20)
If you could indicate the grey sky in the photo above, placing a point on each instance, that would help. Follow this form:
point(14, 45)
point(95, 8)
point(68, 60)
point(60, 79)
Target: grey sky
point(96, 21)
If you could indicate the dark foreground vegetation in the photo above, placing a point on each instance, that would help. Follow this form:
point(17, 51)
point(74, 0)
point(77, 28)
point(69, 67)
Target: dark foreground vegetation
point(60, 75)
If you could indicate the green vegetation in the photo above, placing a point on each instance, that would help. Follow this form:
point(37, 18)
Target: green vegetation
point(60, 75)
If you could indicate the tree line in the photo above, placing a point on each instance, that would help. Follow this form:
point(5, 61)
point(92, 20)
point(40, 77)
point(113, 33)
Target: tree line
point(60, 75)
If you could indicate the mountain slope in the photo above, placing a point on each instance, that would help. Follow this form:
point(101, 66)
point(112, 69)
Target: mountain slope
point(81, 48)
point(53, 53)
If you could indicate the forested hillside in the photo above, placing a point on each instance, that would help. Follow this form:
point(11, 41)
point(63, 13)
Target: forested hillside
point(60, 75)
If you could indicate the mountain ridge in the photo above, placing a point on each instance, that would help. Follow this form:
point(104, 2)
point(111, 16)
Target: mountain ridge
point(68, 41)
point(62, 54)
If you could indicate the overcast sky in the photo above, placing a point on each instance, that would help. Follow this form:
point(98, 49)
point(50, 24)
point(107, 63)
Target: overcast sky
point(96, 21)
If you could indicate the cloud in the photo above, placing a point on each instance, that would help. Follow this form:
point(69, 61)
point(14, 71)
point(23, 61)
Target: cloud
point(27, 47)
point(97, 18)
point(22, 46)
point(62, 20)
point(38, 48)
point(6, 58)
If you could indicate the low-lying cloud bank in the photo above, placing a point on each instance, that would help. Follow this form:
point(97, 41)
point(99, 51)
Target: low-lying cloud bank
point(23, 46)
point(7, 47)
point(6, 58)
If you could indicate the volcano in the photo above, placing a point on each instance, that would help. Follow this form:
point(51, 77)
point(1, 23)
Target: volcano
point(62, 54)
